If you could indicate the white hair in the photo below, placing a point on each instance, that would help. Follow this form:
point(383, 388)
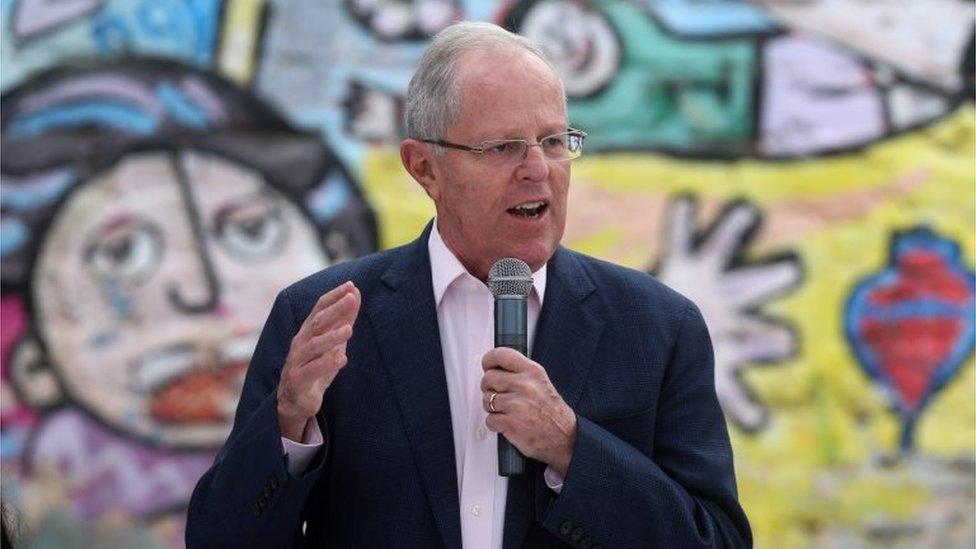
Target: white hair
point(433, 103)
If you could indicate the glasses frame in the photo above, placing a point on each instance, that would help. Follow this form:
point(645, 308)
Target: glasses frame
point(485, 144)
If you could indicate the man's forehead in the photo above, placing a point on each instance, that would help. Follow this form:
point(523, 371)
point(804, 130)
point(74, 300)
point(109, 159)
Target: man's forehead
point(502, 69)
point(489, 131)
point(503, 92)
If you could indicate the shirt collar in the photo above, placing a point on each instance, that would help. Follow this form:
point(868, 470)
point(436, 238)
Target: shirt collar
point(445, 268)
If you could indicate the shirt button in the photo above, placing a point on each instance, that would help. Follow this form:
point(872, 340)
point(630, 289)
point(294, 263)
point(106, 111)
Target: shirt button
point(476, 510)
point(476, 359)
point(472, 287)
point(481, 433)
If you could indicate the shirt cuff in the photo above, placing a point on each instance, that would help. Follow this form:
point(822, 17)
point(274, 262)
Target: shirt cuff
point(553, 480)
point(300, 454)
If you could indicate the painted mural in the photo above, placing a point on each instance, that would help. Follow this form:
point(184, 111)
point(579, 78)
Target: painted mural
point(804, 171)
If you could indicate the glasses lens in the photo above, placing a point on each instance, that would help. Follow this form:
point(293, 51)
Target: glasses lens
point(574, 145)
point(563, 146)
point(504, 150)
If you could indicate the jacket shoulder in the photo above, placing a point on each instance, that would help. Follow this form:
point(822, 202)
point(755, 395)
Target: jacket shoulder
point(363, 271)
point(631, 289)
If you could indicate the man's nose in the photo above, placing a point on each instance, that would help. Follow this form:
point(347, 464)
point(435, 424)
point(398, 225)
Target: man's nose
point(534, 165)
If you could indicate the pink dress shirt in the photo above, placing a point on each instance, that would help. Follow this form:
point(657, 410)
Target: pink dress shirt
point(465, 313)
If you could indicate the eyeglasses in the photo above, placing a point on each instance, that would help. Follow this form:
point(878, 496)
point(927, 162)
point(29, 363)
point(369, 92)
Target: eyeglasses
point(558, 147)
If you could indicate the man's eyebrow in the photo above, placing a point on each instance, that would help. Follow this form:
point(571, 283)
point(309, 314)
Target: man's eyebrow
point(514, 134)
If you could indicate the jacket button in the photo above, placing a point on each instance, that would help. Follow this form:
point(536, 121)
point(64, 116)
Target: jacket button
point(577, 534)
point(586, 542)
point(274, 483)
point(566, 527)
point(255, 510)
point(267, 491)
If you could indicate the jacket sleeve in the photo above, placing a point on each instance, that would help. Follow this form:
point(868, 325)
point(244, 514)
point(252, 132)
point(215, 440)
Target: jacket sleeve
point(683, 494)
point(248, 498)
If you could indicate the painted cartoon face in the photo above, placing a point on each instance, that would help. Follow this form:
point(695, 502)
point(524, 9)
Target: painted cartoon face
point(152, 285)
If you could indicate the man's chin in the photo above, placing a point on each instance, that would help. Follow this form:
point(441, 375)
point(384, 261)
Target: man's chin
point(534, 255)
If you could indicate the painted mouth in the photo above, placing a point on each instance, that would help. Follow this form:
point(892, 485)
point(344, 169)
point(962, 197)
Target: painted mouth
point(193, 384)
point(529, 210)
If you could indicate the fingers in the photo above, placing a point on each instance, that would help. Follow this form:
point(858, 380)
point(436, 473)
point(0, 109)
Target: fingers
point(499, 404)
point(323, 369)
point(729, 231)
point(338, 305)
point(755, 340)
point(330, 297)
point(323, 344)
point(510, 376)
point(503, 381)
point(680, 229)
point(739, 403)
point(316, 355)
point(752, 285)
point(344, 310)
point(507, 359)
point(488, 399)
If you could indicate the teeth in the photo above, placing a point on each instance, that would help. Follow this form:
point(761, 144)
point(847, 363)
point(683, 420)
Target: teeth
point(239, 349)
point(160, 367)
point(529, 206)
point(169, 363)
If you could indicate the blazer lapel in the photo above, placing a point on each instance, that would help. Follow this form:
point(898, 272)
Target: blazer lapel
point(567, 334)
point(405, 319)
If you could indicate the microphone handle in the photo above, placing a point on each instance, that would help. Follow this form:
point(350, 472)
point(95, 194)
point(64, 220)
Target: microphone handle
point(511, 330)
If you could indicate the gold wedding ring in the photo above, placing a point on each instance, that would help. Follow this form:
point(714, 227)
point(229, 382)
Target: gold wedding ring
point(491, 402)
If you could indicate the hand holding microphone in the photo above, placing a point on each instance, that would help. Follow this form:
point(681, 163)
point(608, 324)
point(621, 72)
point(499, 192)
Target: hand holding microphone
point(524, 408)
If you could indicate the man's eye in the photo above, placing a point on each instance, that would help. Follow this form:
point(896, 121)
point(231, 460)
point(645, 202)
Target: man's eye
point(502, 148)
point(252, 231)
point(126, 250)
point(554, 142)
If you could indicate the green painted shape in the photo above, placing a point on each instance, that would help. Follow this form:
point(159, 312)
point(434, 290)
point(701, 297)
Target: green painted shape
point(684, 95)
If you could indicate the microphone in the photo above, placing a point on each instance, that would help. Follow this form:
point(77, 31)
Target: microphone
point(510, 282)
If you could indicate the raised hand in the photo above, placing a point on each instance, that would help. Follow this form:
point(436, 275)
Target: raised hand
point(317, 353)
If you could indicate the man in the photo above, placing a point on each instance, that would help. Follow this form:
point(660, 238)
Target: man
point(616, 407)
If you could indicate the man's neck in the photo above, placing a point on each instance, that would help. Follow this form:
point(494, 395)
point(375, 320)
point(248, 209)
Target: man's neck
point(474, 269)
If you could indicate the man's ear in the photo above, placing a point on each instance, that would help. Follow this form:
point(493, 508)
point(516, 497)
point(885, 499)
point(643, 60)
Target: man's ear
point(33, 376)
point(419, 161)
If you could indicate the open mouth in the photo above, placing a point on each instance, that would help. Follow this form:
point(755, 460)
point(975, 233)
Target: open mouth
point(193, 384)
point(529, 210)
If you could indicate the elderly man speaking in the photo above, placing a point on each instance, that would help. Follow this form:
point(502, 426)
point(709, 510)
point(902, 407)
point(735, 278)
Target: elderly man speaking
point(369, 412)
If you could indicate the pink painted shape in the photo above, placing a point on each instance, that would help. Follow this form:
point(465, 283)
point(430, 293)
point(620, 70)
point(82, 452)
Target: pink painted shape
point(14, 322)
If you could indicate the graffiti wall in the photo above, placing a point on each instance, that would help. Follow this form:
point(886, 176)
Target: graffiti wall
point(804, 171)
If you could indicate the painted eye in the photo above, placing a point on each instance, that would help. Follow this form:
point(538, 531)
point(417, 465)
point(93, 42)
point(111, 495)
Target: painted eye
point(252, 230)
point(412, 20)
point(124, 249)
point(579, 40)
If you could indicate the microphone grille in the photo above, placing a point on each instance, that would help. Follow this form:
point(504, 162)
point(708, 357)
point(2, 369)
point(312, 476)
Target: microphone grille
point(510, 276)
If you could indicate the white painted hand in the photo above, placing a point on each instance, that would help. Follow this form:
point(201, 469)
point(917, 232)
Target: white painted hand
point(707, 267)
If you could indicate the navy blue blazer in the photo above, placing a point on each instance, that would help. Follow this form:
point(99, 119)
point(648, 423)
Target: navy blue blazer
point(652, 465)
